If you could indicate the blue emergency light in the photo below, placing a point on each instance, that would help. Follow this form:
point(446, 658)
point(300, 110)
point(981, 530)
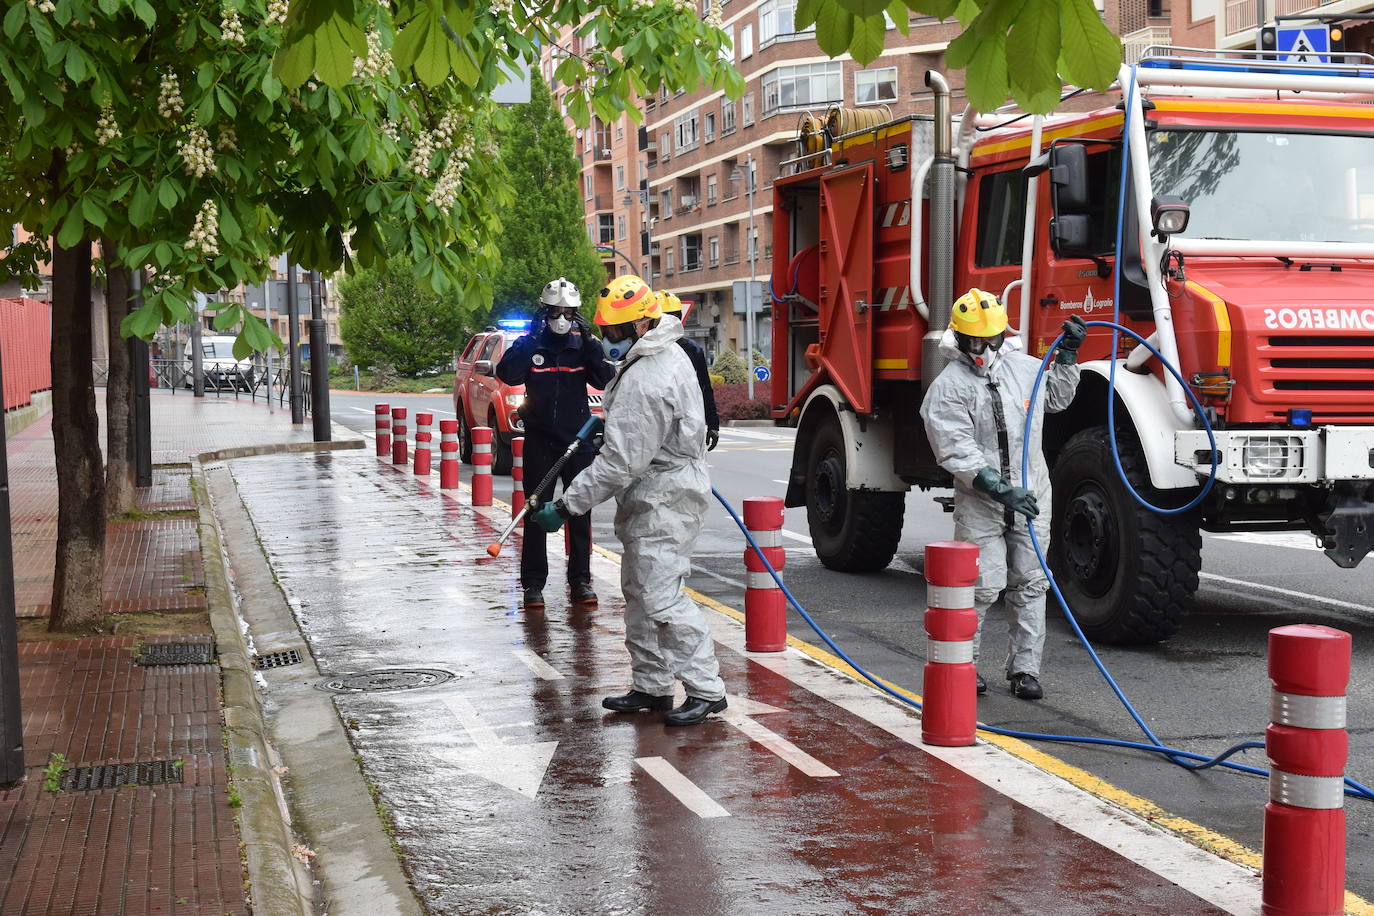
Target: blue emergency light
point(1299, 417)
point(514, 324)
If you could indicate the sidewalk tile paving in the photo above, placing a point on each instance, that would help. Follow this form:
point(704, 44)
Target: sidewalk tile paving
point(168, 848)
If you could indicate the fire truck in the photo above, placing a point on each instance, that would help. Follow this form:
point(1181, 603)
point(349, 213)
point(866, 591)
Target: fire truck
point(1246, 259)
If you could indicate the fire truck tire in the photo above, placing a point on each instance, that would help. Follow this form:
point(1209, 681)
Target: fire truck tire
point(851, 530)
point(1128, 574)
point(501, 458)
point(464, 438)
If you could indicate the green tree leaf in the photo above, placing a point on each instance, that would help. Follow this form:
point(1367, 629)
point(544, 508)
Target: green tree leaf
point(865, 8)
point(806, 14)
point(988, 85)
point(1032, 56)
point(227, 318)
point(1091, 53)
point(834, 28)
point(867, 43)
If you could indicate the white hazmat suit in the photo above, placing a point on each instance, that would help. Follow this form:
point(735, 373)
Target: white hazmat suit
point(975, 418)
point(653, 462)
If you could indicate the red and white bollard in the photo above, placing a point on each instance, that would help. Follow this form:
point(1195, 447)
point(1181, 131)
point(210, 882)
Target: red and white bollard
point(517, 475)
point(481, 465)
point(383, 430)
point(423, 442)
point(1304, 821)
point(448, 454)
point(765, 606)
point(949, 708)
point(400, 453)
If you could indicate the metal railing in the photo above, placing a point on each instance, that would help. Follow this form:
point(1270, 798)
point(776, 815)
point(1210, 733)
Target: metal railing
point(253, 382)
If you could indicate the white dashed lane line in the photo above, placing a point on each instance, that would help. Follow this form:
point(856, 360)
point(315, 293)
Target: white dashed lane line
point(681, 788)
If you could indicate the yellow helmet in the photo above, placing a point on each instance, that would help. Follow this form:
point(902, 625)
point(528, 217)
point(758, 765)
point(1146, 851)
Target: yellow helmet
point(978, 314)
point(626, 298)
point(669, 303)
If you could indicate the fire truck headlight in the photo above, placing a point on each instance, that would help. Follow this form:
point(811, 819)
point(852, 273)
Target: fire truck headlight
point(1169, 214)
point(1270, 457)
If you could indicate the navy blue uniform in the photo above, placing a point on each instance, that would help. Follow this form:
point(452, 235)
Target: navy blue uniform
point(708, 396)
point(555, 371)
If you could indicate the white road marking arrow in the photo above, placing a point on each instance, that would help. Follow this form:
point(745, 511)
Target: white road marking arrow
point(518, 767)
point(738, 713)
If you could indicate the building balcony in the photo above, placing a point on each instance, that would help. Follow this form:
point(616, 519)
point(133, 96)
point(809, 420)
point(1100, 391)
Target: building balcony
point(1134, 44)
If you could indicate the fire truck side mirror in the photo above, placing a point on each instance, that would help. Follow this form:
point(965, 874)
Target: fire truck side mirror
point(1071, 236)
point(1069, 179)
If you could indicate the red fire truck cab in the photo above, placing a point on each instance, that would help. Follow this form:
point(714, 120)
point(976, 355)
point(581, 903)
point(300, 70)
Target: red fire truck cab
point(1264, 301)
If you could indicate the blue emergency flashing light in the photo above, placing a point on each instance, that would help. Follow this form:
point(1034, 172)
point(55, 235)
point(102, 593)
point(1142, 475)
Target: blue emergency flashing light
point(1299, 417)
point(514, 324)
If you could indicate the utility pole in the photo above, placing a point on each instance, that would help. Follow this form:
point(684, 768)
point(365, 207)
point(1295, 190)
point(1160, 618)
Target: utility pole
point(749, 288)
point(197, 354)
point(319, 361)
point(293, 337)
point(140, 405)
point(11, 725)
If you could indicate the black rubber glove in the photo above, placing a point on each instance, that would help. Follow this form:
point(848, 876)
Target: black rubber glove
point(712, 439)
point(1018, 499)
point(1074, 332)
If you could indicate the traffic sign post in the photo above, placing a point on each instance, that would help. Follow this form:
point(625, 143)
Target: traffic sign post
point(1310, 44)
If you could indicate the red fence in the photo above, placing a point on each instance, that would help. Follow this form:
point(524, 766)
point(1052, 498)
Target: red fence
point(25, 344)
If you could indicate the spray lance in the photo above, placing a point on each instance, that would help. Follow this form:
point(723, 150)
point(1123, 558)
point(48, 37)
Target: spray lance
point(590, 432)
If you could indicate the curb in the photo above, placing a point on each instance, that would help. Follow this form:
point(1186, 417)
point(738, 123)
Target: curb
point(749, 423)
point(21, 417)
point(272, 871)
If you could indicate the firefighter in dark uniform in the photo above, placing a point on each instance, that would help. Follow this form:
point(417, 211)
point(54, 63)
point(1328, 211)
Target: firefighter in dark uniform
point(672, 305)
point(556, 361)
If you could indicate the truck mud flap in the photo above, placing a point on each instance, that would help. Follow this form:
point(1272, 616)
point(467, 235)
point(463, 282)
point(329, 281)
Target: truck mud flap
point(1350, 525)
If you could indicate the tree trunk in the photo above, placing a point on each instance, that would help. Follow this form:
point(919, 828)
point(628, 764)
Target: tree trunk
point(77, 580)
point(119, 452)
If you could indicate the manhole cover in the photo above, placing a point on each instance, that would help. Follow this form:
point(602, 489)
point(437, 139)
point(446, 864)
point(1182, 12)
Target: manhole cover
point(113, 775)
point(388, 679)
point(276, 659)
point(176, 653)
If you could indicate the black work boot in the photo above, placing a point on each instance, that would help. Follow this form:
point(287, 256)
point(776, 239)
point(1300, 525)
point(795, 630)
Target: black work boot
point(982, 685)
point(637, 701)
point(693, 711)
point(534, 597)
point(581, 593)
point(1026, 686)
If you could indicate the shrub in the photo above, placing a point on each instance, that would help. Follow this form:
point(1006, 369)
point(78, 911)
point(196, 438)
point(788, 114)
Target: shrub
point(732, 401)
point(730, 367)
point(716, 379)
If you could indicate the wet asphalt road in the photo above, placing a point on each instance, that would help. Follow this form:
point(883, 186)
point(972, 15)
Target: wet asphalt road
point(1203, 690)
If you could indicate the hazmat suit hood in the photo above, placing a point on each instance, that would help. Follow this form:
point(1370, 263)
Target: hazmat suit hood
point(949, 348)
point(658, 339)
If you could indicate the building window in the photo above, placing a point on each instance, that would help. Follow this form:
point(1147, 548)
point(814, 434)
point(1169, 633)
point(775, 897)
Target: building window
point(668, 260)
point(691, 251)
point(606, 228)
point(711, 189)
point(874, 86)
point(620, 178)
point(665, 145)
point(620, 131)
point(587, 186)
point(727, 117)
point(620, 227)
point(666, 206)
point(746, 105)
point(802, 86)
point(710, 127)
point(777, 19)
point(746, 41)
point(688, 129)
point(727, 49)
point(713, 249)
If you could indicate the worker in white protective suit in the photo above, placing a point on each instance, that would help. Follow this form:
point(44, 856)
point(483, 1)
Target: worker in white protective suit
point(975, 417)
point(653, 462)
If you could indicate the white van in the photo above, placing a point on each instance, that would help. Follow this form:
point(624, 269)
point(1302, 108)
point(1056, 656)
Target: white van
point(221, 369)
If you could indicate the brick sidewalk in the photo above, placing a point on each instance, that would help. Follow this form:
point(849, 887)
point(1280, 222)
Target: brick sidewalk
point(170, 847)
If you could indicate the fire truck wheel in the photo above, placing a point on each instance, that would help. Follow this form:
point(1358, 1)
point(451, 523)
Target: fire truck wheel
point(852, 530)
point(464, 438)
point(501, 458)
point(1128, 574)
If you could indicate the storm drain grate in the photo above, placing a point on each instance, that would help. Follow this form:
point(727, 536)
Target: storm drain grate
point(114, 775)
point(388, 679)
point(277, 659)
point(176, 653)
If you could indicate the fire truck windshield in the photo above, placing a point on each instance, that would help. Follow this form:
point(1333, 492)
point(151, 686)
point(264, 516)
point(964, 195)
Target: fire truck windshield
point(1258, 185)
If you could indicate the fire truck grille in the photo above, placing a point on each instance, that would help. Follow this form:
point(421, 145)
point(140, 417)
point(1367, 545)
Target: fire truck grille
point(1327, 372)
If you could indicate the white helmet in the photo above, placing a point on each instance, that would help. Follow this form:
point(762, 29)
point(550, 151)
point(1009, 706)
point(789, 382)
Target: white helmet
point(561, 293)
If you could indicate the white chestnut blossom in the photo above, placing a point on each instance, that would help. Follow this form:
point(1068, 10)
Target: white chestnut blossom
point(205, 233)
point(714, 19)
point(501, 7)
point(445, 191)
point(106, 130)
point(277, 11)
point(196, 152)
point(230, 26)
point(392, 132)
point(644, 4)
point(420, 155)
point(378, 60)
point(228, 141)
point(43, 6)
point(169, 102)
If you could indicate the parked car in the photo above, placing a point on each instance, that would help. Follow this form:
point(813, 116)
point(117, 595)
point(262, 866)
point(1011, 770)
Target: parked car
point(221, 369)
point(481, 399)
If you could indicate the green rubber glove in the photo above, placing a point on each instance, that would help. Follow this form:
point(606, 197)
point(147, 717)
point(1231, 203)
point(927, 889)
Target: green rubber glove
point(1018, 499)
point(548, 517)
point(1074, 333)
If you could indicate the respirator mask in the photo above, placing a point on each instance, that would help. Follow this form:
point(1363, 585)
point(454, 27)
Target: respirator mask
point(559, 321)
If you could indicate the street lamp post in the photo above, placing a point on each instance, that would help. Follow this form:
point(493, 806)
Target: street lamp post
point(749, 286)
point(626, 202)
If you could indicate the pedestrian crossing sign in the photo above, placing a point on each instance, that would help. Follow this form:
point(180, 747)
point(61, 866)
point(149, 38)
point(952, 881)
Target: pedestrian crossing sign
point(1307, 45)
